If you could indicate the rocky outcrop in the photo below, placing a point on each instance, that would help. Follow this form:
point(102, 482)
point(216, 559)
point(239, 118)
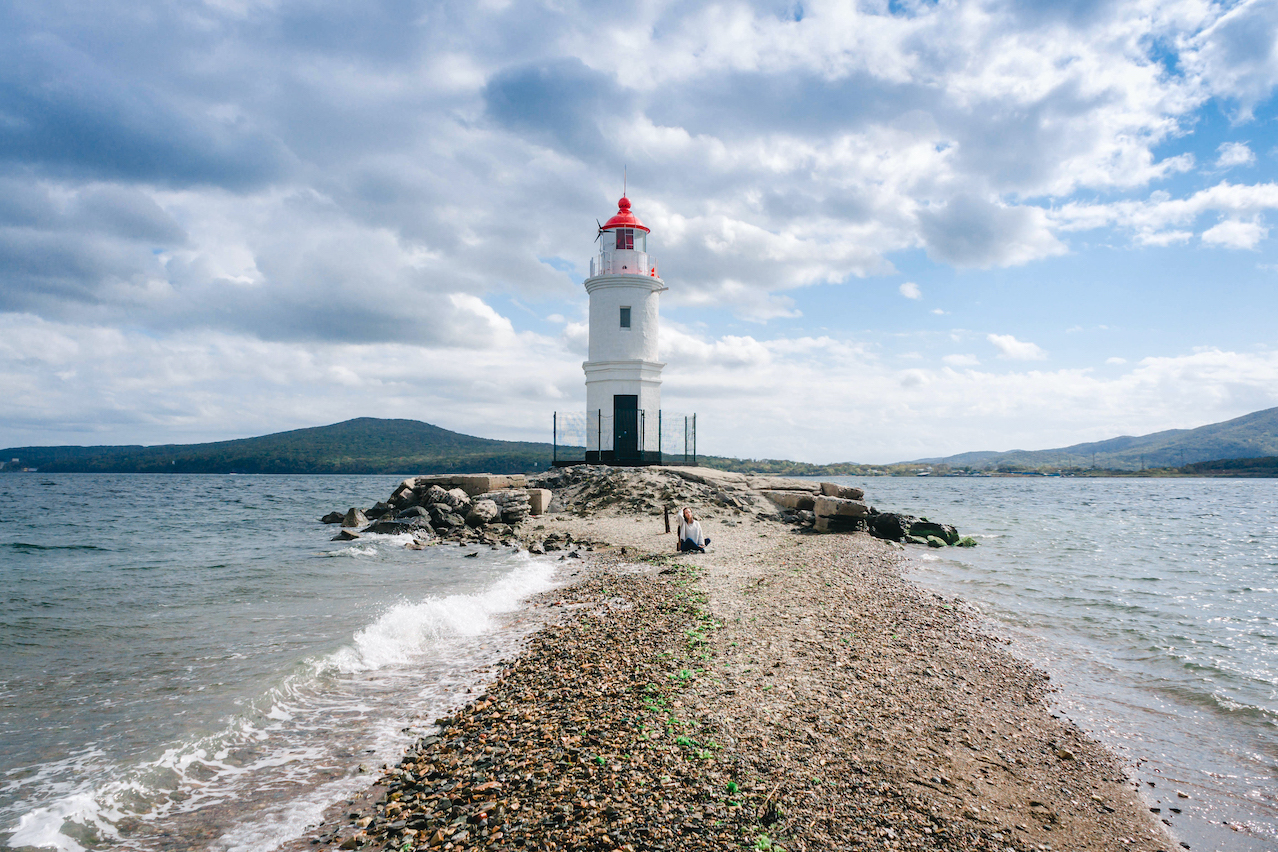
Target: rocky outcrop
point(354, 518)
point(454, 506)
point(332, 518)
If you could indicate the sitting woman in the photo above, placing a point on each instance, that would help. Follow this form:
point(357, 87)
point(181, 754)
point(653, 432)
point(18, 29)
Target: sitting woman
point(691, 538)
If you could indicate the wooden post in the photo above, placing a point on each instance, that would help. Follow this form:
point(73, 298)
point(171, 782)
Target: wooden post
point(667, 519)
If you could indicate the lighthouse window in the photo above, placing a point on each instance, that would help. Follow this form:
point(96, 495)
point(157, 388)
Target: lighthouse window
point(625, 317)
point(625, 238)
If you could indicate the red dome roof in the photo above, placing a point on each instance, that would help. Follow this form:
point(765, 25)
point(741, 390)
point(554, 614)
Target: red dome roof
point(624, 218)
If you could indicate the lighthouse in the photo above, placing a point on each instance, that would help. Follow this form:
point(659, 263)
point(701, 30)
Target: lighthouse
point(623, 375)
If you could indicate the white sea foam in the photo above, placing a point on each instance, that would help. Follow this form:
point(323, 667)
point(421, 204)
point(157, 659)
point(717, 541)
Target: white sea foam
point(283, 738)
point(42, 827)
point(407, 629)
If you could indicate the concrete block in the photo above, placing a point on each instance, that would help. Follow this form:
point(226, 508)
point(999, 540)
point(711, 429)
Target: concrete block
point(783, 483)
point(539, 500)
point(473, 484)
point(837, 507)
point(847, 492)
point(791, 499)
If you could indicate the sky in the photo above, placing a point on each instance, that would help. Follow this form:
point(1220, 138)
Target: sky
point(890, 230)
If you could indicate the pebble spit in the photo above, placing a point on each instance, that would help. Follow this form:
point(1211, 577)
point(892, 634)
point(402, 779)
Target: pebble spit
point(783, 691)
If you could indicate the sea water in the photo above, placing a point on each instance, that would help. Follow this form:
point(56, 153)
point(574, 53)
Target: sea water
point(188, 662)
point(1153, 604)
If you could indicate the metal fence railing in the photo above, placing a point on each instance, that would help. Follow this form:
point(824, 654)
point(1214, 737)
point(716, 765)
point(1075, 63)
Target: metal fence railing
point(639, 437)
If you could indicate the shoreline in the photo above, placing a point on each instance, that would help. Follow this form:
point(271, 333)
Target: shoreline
point(795, 689)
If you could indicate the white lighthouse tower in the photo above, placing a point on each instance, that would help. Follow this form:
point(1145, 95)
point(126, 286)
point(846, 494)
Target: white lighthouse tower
point(623, 375)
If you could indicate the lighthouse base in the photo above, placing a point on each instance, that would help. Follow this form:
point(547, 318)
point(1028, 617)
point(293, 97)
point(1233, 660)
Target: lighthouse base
point(633, 438)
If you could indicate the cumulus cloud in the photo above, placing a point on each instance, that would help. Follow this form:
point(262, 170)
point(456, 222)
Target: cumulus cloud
point(969, 231)
point(1160, 219)
point(1234, 154)
point(910, 290)
point(1017, 350)
point(1235, 234)
point(1235, 55)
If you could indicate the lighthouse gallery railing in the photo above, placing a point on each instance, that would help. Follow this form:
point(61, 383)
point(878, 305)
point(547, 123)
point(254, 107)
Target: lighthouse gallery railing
point(624, 263)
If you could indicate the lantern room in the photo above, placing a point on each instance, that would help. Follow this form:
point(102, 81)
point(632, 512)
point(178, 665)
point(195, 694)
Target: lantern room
point(623, 246)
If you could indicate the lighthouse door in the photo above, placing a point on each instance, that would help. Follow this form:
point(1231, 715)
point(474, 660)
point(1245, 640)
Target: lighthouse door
point(625, 420)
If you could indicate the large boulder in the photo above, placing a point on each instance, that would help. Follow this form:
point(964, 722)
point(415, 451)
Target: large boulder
point(379, 509)
point(385, 527)
point(514, 503)
point(482, 512)
point(838, 524)
point(434, 494)
point(945, 532)
point(847, 492)
point(442, 517)
point(891, 526)
point(838, 507)
point(791, 499)
point(412, 512)
point(332, 518)
point(354, 518)
point(458, 499)
point(403, 495)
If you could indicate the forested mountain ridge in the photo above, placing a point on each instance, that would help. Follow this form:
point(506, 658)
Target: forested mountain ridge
point(362, 445)
point(1253, 435)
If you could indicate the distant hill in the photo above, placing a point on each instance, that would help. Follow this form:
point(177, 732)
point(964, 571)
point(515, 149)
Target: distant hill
point(1244, 446)
point(363, 445)
point(1263, 467)
point(1251, 436)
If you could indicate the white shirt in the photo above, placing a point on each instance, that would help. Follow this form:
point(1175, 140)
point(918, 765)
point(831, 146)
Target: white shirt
point(692, 531)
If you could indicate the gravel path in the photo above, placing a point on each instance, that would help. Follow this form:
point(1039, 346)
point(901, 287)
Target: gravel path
point(784, 690)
